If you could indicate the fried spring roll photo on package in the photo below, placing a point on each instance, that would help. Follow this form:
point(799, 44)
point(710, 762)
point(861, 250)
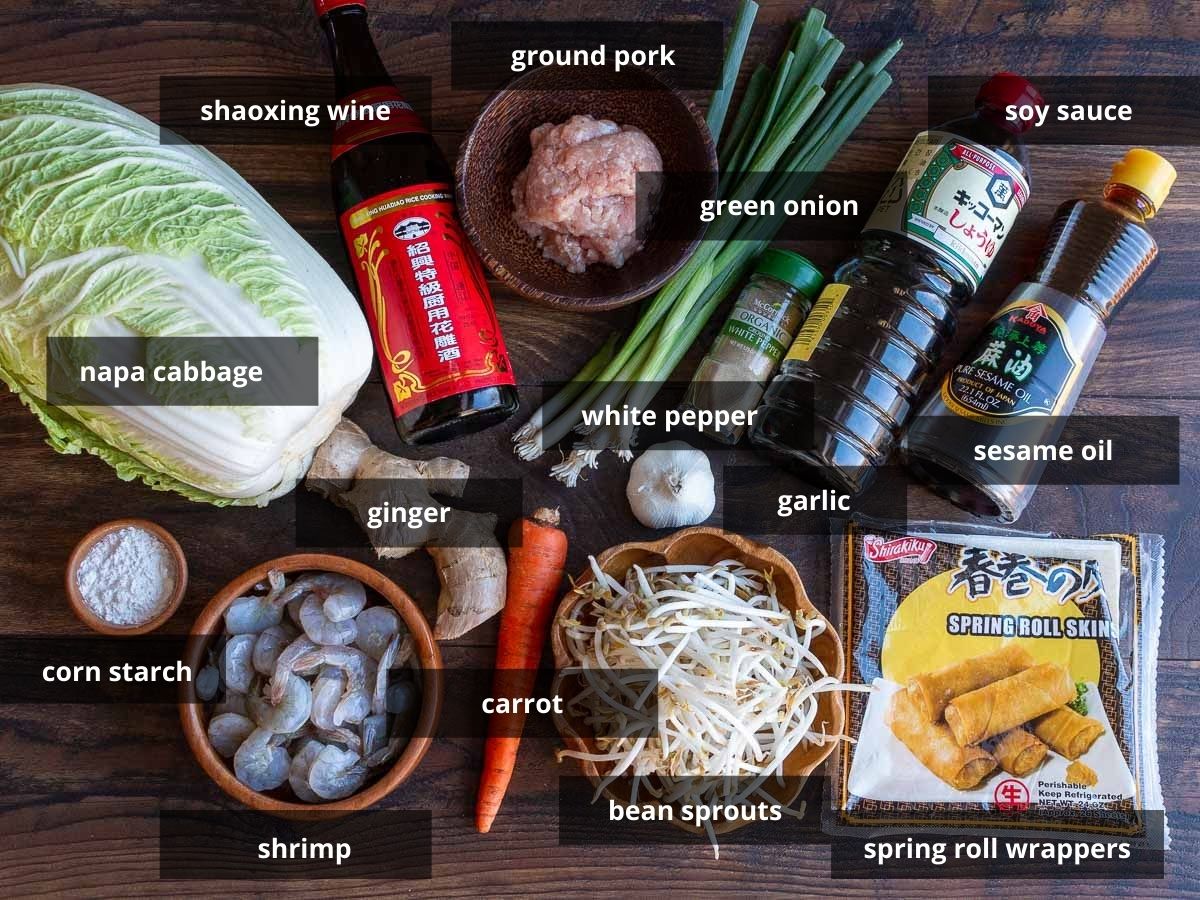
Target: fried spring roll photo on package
point(1018, 752)
point(1009, 702)
point(1067, 732)
point(932, 691)
point(932, 743)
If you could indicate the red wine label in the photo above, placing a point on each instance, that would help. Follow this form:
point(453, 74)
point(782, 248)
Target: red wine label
point(426, 299)
point(361, 118)
point(324, 6)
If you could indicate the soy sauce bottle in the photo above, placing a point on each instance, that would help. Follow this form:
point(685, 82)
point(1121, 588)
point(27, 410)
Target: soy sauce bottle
point(851, 378)
point(440, 351)
point(1022, 378)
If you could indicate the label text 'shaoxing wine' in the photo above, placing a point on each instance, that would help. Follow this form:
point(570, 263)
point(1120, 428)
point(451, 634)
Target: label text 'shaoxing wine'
point(436, 336)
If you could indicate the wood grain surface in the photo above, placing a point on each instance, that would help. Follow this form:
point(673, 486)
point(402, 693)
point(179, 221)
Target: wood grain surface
point(82, 785)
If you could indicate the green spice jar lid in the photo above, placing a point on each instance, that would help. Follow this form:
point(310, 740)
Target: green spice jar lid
point(791, 268)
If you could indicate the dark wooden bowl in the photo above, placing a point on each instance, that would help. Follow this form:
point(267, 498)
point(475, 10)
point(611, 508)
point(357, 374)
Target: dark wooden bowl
point(497, 148)
point(84, 613)
point(703, 546)
point(194, 712)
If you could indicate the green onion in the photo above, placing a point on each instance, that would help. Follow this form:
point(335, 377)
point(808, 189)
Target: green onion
point(732, 65)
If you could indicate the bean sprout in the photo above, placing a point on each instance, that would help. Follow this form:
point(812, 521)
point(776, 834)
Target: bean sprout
point(732, 671)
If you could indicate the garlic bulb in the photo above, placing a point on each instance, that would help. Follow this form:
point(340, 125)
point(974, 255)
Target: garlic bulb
point(671, 485)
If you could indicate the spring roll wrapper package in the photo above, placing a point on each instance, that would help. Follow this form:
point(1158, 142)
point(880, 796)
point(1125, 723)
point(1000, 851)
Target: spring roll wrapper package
point(1014, 633)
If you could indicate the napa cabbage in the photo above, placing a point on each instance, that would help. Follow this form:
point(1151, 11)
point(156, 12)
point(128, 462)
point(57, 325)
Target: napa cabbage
point(106, 230)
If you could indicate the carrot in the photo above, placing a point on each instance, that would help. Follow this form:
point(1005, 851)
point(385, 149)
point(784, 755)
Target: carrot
point(537, 553)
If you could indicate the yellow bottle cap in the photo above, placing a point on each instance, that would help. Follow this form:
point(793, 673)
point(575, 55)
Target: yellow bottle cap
point(1146, 171)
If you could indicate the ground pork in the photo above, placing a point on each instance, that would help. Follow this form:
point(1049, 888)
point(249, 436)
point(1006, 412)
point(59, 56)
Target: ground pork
point(577, 197)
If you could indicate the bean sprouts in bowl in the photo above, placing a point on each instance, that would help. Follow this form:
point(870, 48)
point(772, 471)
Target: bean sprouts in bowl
point(748, 674)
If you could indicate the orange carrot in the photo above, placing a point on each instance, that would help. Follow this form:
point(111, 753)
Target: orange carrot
point(536, 555)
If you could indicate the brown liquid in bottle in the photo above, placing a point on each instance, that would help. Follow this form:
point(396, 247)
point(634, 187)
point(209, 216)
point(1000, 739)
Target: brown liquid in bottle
point(1020, 381)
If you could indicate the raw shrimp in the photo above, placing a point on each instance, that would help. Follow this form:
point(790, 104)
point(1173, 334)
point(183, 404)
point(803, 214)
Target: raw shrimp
point(231, 702)
point(374, 733)
point(355, 703)
point(261, 763)
point(320, 627)
point(382, 754)
point(379, 696)
point(236, 662)
point(327, 691)
point(267, 648)
point(336, 773)
point(208, 682)
point(289, 714)
point(285, 665)
point(376, 625)
point(341, 597)
point(298, 772)
point(227, 731)
point(341, 736)
point(256, 613)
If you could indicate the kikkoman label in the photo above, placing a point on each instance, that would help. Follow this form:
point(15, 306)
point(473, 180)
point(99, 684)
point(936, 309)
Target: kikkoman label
point(955, 197)
point(1024, 363)
point(425, 297)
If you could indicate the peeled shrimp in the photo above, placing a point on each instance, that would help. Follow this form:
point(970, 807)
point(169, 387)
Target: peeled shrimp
point(267, 648)
point(227, 731)
point(289, 714)
point(327, 692)
point(261, 763)
point(355, 703)
point(320, 628)
point(256, 613)
point(236, 662)
point(298, 772)
point(336, 773)
point(376, 625)
point(285, 665)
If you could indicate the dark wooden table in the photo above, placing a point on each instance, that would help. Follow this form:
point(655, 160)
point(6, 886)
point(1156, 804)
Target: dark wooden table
point(82, 784)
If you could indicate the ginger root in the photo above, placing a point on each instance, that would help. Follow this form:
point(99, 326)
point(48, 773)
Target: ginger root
point(352, 472)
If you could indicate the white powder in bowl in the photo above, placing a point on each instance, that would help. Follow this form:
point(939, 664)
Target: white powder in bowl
point(127, 576)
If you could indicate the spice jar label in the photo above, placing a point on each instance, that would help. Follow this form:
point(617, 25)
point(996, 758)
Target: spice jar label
point(1024, 363)
point(426, 298)
point(955, 197)
point(760, 325)
point(818, 320)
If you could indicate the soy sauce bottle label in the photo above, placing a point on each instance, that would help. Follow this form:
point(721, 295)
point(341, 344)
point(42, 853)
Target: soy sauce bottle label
point(1024, 363)
point(955, 197)
point(425, 296)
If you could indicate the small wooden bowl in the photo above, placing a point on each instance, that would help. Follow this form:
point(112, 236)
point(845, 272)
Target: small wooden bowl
point(84, 613)
point(701, 546)
point(497, 149)
point(210, 624)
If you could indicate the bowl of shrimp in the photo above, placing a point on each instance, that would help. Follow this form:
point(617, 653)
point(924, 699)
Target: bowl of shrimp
point(318, 687)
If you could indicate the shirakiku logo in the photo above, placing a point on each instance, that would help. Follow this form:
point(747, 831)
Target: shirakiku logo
point(981, 570)
point(905, 549)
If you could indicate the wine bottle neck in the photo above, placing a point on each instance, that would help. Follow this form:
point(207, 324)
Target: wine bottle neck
point(356, 62)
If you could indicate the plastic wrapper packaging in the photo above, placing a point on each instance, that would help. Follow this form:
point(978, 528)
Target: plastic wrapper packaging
point(1002, 663)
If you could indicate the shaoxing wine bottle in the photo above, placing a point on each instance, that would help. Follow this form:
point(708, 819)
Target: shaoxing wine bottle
point(440, 352)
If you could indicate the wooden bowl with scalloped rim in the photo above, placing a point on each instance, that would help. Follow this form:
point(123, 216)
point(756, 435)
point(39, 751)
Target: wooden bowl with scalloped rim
point(697, 546)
